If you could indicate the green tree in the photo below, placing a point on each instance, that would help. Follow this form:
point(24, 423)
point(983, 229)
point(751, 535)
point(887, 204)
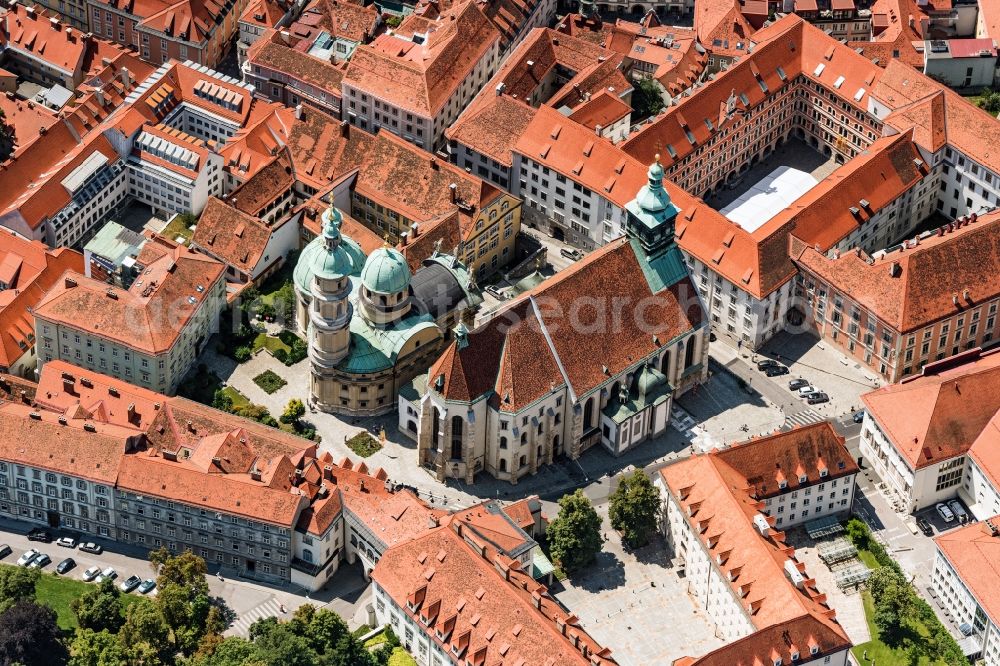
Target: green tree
point(29, 635)
point(96, 648)
point(222, 401)
point(232, 651)
point(575, 535)
point(275, 643)
point(145, 636)
point(894, 604)
point(634, 509)
point(294, 411)
point(8, 138)
point(647, 99)
point(16, 583)
point(183, 601)
point(322, 628)
point(100, 608)
point(989, 101)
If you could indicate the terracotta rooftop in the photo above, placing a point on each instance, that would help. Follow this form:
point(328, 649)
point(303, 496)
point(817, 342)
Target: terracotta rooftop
point(482, 607)
point(27, 270)
point(421, 78)
point(82, 394)
point(340, 18)
point(800, 457)
point(151, 314)
point(84, 448)
point(940, 413)
point(232, 236)
point(493, 127)
point(974, 553)
point(269, 184)
point(911, 286)
point(271, 52)
point(716, 500)
point(602, 110)
point(799, 636)
point(29, 31)
point(513, 359)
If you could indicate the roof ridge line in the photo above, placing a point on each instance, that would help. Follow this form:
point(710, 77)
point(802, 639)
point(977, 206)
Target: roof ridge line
point(552, 348)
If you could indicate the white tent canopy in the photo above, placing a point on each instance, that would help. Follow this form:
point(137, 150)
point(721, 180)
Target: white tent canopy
point(768, 197)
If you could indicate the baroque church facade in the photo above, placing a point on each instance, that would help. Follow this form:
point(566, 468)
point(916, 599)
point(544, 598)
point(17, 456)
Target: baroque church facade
point(593, 356)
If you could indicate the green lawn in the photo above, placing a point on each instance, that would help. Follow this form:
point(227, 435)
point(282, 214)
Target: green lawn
point(239, 400)
point(868, 558)
point(58, 591)
point(269, 342)
point(882, 654)
point(401, 657)
point(176, 228)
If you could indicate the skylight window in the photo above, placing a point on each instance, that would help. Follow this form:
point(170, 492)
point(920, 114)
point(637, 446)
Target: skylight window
point(781, 74)
point(819, 69)
point(839, 82)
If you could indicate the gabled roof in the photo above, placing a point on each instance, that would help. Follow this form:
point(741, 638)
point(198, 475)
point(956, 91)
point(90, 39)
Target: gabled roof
point(231, 235)
point(481, 606)
point(911, 287)
point(422, 77)
point(938, 414)
point(152, 313)
point(717, 503)
point(527, 349)
point(974, 553)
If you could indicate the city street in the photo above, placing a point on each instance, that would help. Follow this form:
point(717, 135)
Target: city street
point(347, 593)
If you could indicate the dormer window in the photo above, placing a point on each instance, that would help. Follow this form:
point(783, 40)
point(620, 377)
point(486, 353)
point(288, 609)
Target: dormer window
point(782, 484)
point(803, 478)
point(795, 656)
point(777, 661)
point(813, 649)
point(823, 472)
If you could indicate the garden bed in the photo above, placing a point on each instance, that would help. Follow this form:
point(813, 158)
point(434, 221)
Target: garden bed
point(269, 381)
point(363, 444)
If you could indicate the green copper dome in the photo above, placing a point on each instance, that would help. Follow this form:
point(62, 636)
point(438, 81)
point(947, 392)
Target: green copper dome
point(386, 272)
point(329, 256)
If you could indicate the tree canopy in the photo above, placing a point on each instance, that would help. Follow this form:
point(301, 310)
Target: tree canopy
point(634, 509)
point(574, 536)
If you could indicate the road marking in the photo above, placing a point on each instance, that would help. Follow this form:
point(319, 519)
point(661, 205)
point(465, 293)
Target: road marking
point(241, 627)
point(804, 418)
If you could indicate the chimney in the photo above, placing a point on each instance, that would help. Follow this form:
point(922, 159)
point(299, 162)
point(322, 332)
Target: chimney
point(402, 238)
point(454, 192)
point(70, 283)
point(501, 87)
point(99, 94)
point(414, 230)
point(895, 269)
point(126, 77)
point(345, 129)
point(298, 112)
point(69, 34)
point(434, 163)
point(966, 294)
point(597, 129)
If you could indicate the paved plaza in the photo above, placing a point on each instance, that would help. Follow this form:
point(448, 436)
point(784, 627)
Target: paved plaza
point(635, 602)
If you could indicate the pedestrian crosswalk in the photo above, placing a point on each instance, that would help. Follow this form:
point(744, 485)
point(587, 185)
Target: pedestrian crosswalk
point(803, 418)
point(241, 627)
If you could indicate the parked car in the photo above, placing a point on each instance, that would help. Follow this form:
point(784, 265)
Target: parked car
point(945, 513)
point(495, 292)
point(925, 527)
point(146, 586)
point(573, 254)
point(766, 363)
point(775, 370)
point(38, 534)
point(91, 548)
point(66, 542)
point(959, 511)
point(65, 565)
point(28, 557)
point(131, 583)
point(817, 397)
point(859, 416)
point(806, 390)
point(40, 561)
point(107, 574)
point(5, 550)
point(796, 384)
point(91, 573)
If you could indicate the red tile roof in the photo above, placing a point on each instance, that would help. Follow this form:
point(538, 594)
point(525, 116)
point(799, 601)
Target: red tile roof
point(717, 502)
point(602, 110)
point(152, 313)
point(511, 357)
point(421, 78)
point(985, 451)
point(487, 610)
point(911, 287)
point(803, 452)
point(939, 414)
point(28, 269)
point(974, 552)
point(796, 636)
point(232, 236)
